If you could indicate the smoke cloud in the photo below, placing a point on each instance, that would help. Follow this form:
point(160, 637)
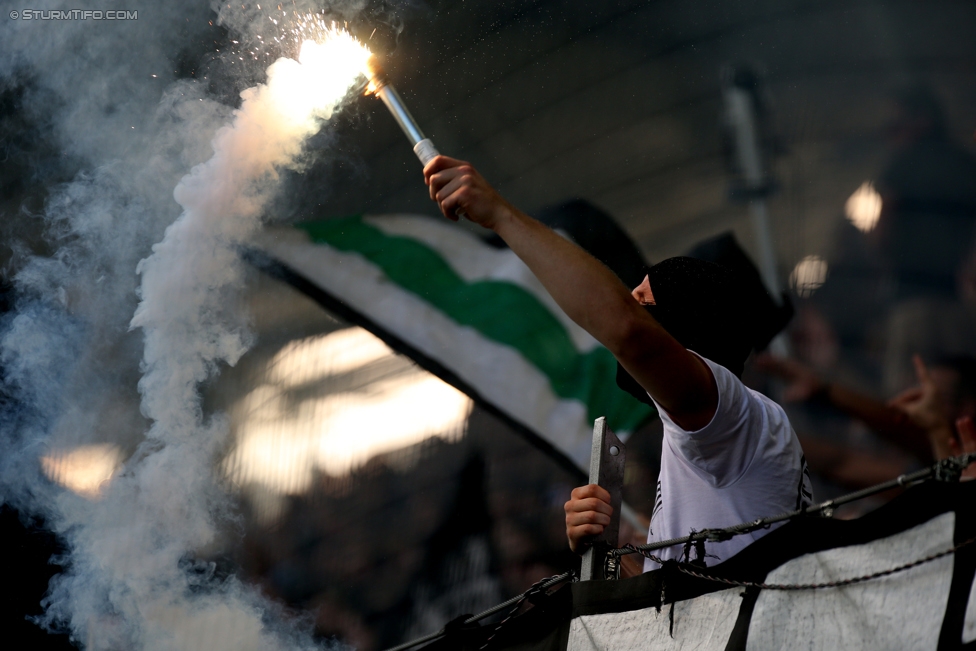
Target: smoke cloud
point(114, 332)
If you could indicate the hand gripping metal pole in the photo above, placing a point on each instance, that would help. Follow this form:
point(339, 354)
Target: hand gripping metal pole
point(606, 469)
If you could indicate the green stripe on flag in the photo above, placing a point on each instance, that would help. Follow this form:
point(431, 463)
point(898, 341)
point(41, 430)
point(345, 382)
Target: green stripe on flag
point(500, 311)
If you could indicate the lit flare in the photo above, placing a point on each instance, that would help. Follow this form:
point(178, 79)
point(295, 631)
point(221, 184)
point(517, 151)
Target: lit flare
point(325, 71)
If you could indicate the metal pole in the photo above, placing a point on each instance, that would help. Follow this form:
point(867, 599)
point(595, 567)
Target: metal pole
point(607, 458)
point(743, 120)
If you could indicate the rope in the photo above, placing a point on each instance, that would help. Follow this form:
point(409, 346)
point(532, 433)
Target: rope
point(536, 588)
point(947, 470)
point(515, 601)
point(685, 569)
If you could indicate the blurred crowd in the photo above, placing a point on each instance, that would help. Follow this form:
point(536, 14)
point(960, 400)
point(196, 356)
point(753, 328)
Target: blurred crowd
point(882, 373)
point(416, 537)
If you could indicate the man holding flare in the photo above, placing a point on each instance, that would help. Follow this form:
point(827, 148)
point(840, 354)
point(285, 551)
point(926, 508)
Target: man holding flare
point(729, 454)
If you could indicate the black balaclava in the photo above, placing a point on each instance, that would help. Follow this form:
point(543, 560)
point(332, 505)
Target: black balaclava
point(695, 301)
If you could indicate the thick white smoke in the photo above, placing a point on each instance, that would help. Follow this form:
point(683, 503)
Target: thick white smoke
point(70, 361)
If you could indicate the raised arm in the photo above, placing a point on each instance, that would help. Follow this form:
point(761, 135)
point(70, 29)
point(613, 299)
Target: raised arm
point(589, 293)
point(890, 421)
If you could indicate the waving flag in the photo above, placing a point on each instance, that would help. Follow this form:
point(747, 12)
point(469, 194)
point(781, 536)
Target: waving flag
point(470, 313)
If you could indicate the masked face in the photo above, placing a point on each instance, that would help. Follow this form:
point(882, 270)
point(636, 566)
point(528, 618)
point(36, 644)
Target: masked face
point(694, 301)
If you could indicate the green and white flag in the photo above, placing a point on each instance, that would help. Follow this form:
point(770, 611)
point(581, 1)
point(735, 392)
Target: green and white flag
point(468, 312)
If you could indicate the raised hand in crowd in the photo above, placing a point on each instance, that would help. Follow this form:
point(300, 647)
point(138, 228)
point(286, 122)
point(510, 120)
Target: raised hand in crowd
point(924, 405)
point(802, 382)
point(890, 421)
